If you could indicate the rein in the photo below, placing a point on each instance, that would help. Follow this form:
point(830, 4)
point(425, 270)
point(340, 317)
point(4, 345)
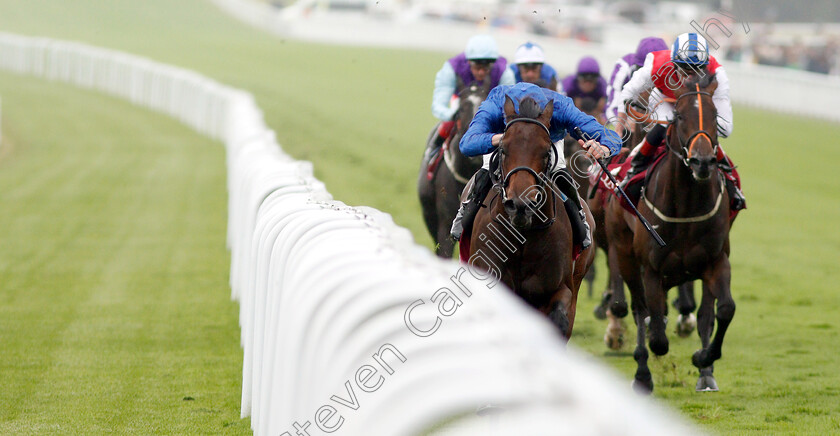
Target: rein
point(688, 144)
point(685, 157)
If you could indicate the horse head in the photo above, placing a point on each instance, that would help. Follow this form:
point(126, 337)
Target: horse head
point(693, 133)
point(469, 100)
point(525, 154)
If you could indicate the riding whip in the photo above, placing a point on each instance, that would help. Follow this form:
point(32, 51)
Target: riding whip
point(624, 195)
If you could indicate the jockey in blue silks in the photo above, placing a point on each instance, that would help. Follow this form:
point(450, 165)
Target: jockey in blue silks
point(485, 133)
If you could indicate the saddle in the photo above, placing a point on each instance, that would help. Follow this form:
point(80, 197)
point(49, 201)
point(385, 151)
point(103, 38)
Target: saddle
point(603, 185)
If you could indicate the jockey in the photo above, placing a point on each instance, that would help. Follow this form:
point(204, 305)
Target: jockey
point(688, 54)
point(529, 66)
point(623, 70)
point(479, 62)
point(586, 82)
point(486, 131)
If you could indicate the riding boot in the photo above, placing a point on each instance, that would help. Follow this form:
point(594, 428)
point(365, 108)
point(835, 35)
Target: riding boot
point(737, 200)
point(645, 152)
point(466, 213)
point(581, 232)
point(433, 146)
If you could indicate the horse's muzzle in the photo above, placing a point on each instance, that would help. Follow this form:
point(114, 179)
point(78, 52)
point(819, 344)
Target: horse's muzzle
point(519, 212)
point(701, 167)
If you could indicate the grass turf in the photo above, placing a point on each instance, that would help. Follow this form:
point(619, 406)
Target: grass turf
point(361, 115)
point(114, 307)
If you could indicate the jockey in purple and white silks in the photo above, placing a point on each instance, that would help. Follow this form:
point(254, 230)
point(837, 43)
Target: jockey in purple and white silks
point(529, 66)
point(480, 61)
point(487, 128)
point(624, 69)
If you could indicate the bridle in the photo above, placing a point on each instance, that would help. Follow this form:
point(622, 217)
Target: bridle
point(498, 154)
point(541, 177)
point(687, 145)
point(685, 156)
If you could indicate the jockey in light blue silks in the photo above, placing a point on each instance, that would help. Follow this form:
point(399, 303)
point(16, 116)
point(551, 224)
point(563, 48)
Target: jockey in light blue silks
point(486, 131)
point(478, 63)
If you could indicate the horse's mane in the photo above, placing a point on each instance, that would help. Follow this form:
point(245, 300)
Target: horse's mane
point(528, 108)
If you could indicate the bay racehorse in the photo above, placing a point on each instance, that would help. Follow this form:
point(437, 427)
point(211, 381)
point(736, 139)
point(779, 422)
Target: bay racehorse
point(684, 199)
point(444, 175)
point(613, 305)
point(523, 236)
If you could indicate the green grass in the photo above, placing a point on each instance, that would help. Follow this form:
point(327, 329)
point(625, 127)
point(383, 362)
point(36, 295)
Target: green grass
point(114, 306)
point(114, 234)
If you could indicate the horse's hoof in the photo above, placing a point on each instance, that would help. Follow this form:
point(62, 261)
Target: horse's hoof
point(686, 325)
point(614, 342)
point(619, 309)
point(642, 387)
point(706, 383)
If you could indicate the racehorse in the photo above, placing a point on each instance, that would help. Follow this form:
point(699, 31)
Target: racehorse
point(523, 236)
point(613, 305)
point(440, 186)
point(682, 197)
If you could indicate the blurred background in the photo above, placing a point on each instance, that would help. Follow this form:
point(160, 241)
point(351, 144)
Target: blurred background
point(799, 36)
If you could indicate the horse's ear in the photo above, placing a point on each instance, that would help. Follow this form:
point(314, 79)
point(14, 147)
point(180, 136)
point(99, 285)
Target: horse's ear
point(712, 86)
point(545, 116)
point(510, 111)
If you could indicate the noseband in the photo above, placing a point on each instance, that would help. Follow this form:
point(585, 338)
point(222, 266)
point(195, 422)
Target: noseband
point(688, 144)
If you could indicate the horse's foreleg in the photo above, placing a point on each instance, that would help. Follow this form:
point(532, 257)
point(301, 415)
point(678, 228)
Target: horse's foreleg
point(618, 301)
point(656, 305)
point(685, 304)
point(562, 310)
point(445, 243)
point(590, 280)
point(614, 337)
point(642, 381)
point(705, 324)
point(716, 282)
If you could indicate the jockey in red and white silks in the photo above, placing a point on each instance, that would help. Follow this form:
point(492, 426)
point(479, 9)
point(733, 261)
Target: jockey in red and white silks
point(662, 73)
